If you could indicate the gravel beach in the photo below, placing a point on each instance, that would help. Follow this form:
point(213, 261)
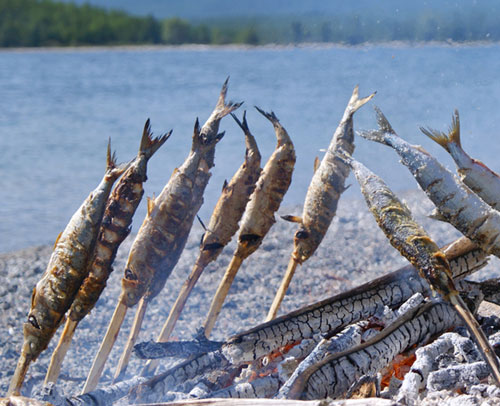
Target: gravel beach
point(354, 251)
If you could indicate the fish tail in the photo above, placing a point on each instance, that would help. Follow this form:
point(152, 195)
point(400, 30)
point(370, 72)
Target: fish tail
point(114, 170)
point(453, 136)
point(355, 102)
point(384, 132)
point(222, 108)
point(202, 142)
point(150, 145)
point(250, 142)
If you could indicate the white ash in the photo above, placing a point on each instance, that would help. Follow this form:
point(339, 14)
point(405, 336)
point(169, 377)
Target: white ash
point(353, 252)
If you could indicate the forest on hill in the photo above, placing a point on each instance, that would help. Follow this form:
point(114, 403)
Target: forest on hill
point(48, 23)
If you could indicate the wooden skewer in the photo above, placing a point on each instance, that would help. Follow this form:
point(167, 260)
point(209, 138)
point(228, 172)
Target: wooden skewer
point(221, 294)
point(106, 346)
point(60, 351)
point(280, 294)
point(132, 338)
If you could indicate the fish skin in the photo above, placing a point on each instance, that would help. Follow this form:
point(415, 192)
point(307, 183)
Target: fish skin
point(404, 234)
point(273, 183)
point(326, 186)
point(115, 225)
point(163, 234)
point(456, 203)
point(476, 175)
point(338, 311)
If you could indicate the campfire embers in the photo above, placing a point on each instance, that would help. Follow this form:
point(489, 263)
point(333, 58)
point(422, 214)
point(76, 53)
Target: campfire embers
point(297, 363)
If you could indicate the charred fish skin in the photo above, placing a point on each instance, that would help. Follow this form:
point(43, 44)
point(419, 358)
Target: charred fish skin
point(54, 293)
point(327, 184)
point(345, 308)
point(116, 222)
point(164, 231)
point(454, 201)
point(271, 187)
point(476, 175)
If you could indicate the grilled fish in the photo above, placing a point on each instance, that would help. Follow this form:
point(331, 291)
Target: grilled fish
point(476, 175)
point(67, 268)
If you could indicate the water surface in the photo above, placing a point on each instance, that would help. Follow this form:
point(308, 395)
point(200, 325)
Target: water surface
point(58, 109)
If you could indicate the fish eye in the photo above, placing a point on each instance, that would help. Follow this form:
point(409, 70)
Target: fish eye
point(301, 234)
point(130, 275)
point(33, 322)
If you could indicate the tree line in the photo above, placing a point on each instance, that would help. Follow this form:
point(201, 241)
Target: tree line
point(48, 23)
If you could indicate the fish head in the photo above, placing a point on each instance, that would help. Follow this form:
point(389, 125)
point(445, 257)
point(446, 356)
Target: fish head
point(36, 338)
point(304, 245)
point(132, 288)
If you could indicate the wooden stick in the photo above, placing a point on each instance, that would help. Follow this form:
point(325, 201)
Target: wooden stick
point(221, 294)
point(60, 351)
point(478, 336)
point(19, 375)
point(132, 338)
point(106, 346)
point(280, 294)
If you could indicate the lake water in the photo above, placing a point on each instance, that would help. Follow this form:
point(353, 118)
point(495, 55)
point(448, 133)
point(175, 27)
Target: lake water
point(58, 108)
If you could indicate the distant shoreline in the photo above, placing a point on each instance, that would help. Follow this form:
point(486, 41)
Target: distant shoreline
point(230, 47)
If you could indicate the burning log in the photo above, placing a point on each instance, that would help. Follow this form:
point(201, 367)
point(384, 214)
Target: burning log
point(336, 312)
point(278, 402)
point(322, 379)
point(155, 350)
point(347, 339)
point(328, 316)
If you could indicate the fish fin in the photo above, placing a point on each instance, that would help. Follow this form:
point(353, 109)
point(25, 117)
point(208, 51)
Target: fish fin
point(270, 116)
point(250, 142)
point(380, 134)
point(243, 124)
point(436, 215)
point(224, 186)
point(151, 204)
point(453, 136)
point(222, 108)
point(113, 170)
point(201, 222)
point(150, 145)
point(57, 239)
point(355, 102)
point(316, 164)
point(281, 134)
point(292, 219)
